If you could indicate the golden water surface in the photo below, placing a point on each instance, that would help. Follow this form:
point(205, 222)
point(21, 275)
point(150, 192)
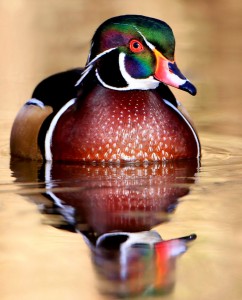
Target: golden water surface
point(41, 37)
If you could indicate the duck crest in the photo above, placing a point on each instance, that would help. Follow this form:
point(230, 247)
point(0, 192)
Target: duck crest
point(118, 108)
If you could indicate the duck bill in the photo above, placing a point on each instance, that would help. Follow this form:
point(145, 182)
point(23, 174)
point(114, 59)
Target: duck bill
point(168, 73)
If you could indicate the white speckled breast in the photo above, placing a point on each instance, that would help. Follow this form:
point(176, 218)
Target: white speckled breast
point(113, 126)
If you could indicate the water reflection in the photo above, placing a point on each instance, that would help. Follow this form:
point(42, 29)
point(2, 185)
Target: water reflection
point(136, 263)
point(115, 208)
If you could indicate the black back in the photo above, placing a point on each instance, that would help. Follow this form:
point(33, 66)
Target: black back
point(58, 89)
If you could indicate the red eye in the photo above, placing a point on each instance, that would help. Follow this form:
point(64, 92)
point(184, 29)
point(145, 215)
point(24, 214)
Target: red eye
point(136, 46)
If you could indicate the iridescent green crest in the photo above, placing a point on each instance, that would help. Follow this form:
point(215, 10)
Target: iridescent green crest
point(117, 32)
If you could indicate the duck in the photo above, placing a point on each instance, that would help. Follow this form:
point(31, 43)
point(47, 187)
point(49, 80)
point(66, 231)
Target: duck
point(118, 108)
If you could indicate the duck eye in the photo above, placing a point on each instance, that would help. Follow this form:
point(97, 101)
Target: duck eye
point(136, 46)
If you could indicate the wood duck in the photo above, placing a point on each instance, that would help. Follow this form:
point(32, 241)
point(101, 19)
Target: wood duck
point(118, 108)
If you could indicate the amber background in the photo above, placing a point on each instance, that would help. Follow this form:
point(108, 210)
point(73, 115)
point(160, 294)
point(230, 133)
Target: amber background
point(41, 37)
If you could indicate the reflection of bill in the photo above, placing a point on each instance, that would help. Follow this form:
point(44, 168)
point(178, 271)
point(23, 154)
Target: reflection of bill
point(114, 207)
point(137, 263)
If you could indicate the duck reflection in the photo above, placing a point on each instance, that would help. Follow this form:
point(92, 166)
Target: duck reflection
point(115, 208)
point(137, 263)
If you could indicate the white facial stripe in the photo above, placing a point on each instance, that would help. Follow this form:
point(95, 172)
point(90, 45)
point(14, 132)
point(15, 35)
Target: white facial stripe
point(90, 64)
point(132, 83)
point(189, 125)
point(152, 47)
point(89, 54)
point(84, 74)
point(144, 84)
point(100, 55)
point(144, 38)
point(49, 134)
point(109, 86)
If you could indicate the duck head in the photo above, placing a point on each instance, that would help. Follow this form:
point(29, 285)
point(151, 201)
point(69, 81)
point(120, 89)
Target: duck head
point(133, 52)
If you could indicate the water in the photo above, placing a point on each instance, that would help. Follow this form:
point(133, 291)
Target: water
point(40, 255)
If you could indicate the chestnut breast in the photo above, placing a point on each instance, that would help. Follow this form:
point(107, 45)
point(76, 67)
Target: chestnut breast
point(114, 126)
